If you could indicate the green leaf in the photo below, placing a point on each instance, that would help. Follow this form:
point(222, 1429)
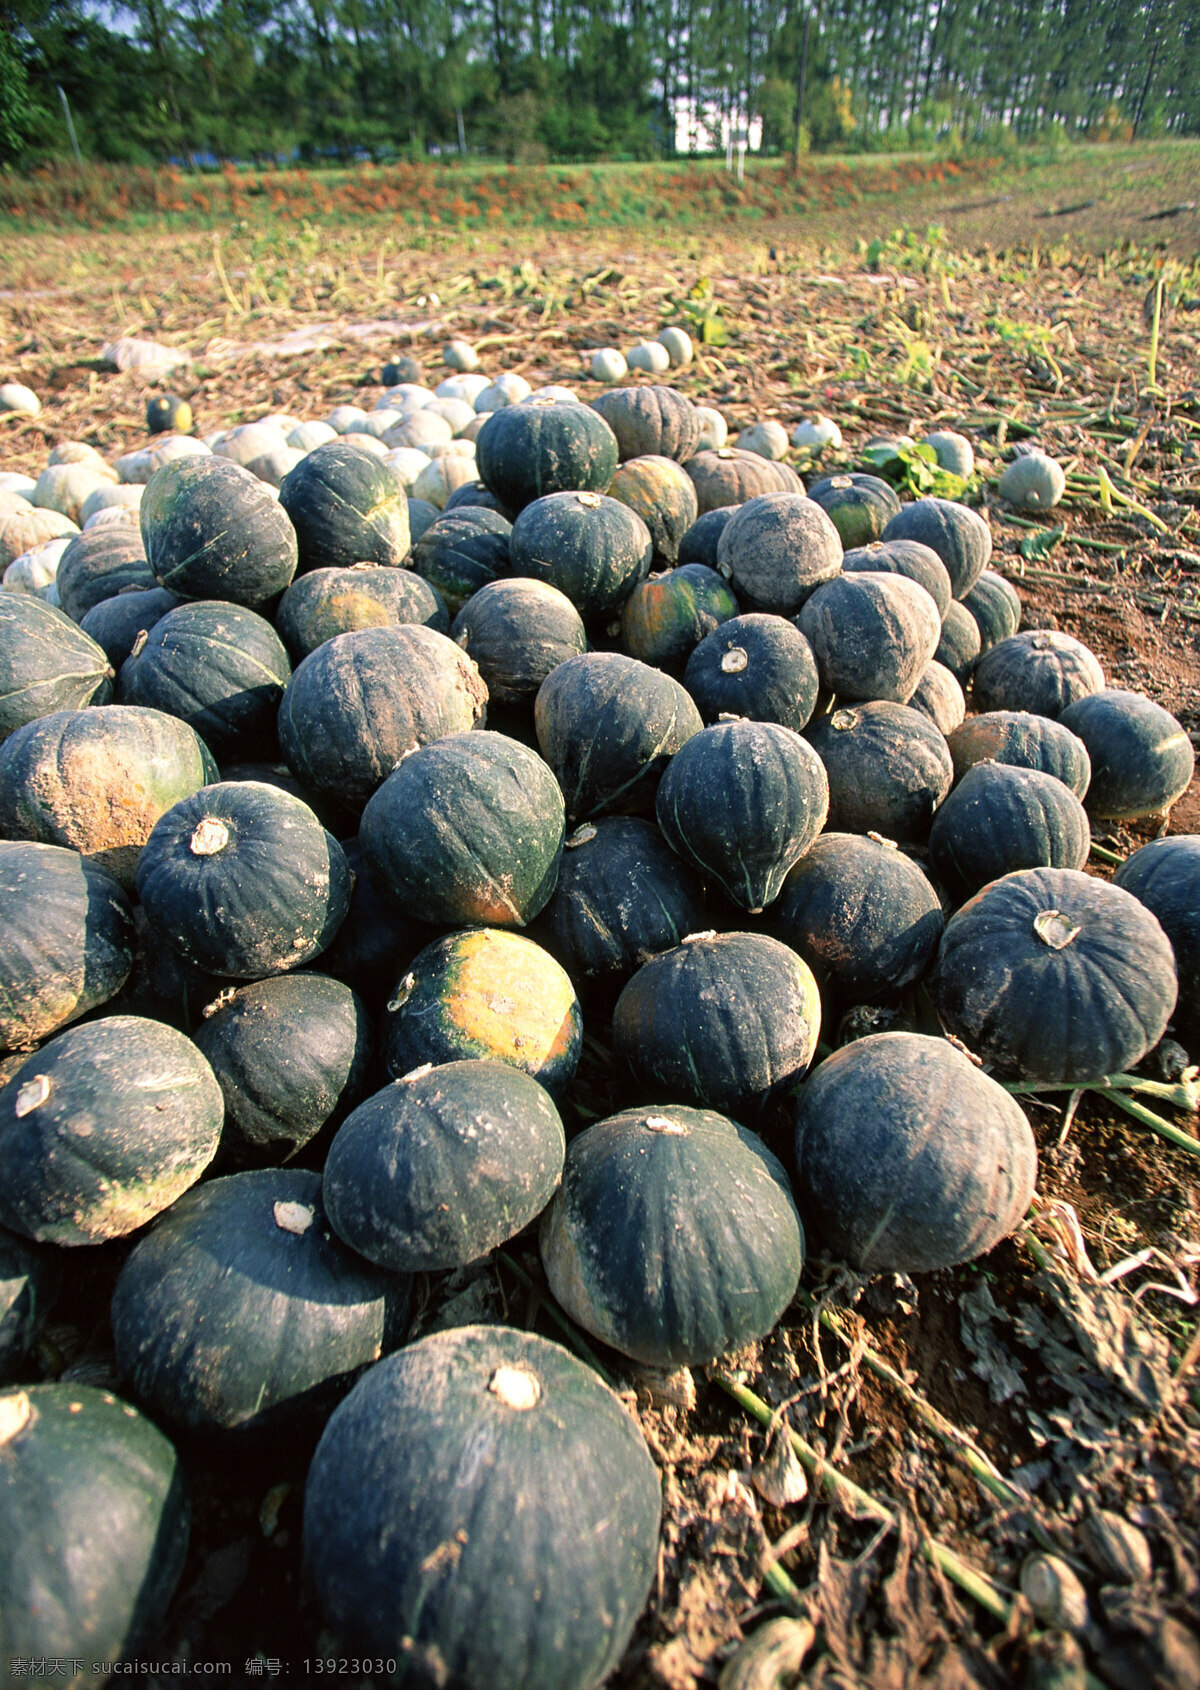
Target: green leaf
point(1039, 545)
point(712, 332)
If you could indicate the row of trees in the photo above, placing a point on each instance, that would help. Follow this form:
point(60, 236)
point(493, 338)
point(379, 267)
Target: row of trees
point(580, 79)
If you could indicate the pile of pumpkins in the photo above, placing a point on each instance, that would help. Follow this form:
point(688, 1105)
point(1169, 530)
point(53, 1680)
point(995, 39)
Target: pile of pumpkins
point(338, 794)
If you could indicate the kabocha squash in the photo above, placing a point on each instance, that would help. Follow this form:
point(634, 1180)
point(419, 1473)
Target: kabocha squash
point(375, 943)
point(467, 496)
point(292, 1056)
point(98, 780)
point(861, 914)
point(959, 536)
point(435, 1171)
point(909, 1158)
point(939, 696)
point(777, 550)
point(1041, 671)
point(673, 1236)
point(47, 664)
point(660, 492)
point(859, 506)
point(103, 1128)
point(872, 635)
point(328, 602)
point(361, 700)
point(220, 668)
point(960, 643)
point(953, 451)
point(757, 666)
point(486, 993)
point(466, 830)
point(665, 617)
point(162, 986)
point(741, 802)
point(1033, 482)
point(115, 623)
point(996, 607)
point(888, 767)
point(608, 725)
point(461, 552)
point(66, 940)
point(243, 880)
point(1142, 759)
point(622, 896)
point(545, 446)
point(515, 632)
point(554, 1535)
point(722, 1021)
point(1165, 876)
point(650, 421)
point(240, 1310)
point(699, 544)
point(99, 564)
point(1024, 740)
point(768, 438)
point(998, 819)
point(904, 557)
point(94, 1520)
point(346, 506)
point(592, 548)
point(1054, 976)
point(29, 1282)
point(212, 531)
point(729, 476)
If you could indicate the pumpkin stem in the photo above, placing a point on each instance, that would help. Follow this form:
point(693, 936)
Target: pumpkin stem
point(516, 1387)
point(16, 1411)
point(209, 838)
point(1054, 929)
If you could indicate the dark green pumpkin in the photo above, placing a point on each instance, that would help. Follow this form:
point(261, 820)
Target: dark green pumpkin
point(939, 696)
point(730, 476)
point(554, 1534)
point(375, 943)
point(777, 550)
point(469, 495)
point(240, 1311)
point(1041, 671)
point(213, 531)
point(660, 492)
point(466, 830)
point(545, 445)
point(888, 767)
point(98, 563)
point(461, 552)
point(959, 536)
point(859, 506)
point(960, 643)
point(1141, 756)
point(46, 663)
point(94, 1519)
point(435, 1171)
point(327, 602)
point(592, 548)
point(66, 940)
point(346, 506)
point(673, 1236)
point(998, 819)
point(757, 666)
point(699, 544)
point(515, 632)
point(666, 617)
point(164, 986)
point(1024, 740)
point(996, 606)
point(103, 1128)
point(243, 880)
point(30, 1277)
point(904, 557)
point(1054, 976)
point(651, 420)
point(909, 1158)
point(115, 623)
point(1165, 876)
point(872, 635)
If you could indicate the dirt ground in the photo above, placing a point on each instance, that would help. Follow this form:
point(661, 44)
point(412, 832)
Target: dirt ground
point(1063, 1365)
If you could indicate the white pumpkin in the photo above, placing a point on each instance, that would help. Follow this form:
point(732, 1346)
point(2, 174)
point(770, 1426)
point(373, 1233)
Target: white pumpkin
point(35, 570)
point(307, 435)
point(954, 451)
point(467, 387)
point(650, 356)
point(15, 396)
point(714, 431)
point(817, 434)
point(460, 355)
point(769, 439)
point(608, 365)
point(1033, 482)
point(442, 477)
point(406, 462)
point(342, 416)
point(679, 346)
point(507, 389)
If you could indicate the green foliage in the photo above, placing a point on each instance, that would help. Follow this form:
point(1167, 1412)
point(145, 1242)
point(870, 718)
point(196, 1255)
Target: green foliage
point(919, 473)
point(703, 312)
point(16, 112)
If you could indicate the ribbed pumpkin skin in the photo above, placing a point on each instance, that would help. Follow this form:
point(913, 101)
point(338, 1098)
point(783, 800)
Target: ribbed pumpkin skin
point(467, 830)
point(328, 602)
point(652, 420)
point(557, 1529)
point(1089, 999)
point(996, 606)
point(516, 632)
point(859, 506)
point(545, 446)
point(346, 506)
point(212, 531)
point(757, 666)
point(607, 725)
point(29, 1282)
point(486, 993)
point(98, 780)
point(861, 914)
point(435, 1171)
point(731, 476)
point(660, 492)
point(103, 1128)
point(292, 1056)
point(872, 635)
point(699, 544)
point(939, 696)
point(742, 802)
point(1142, 759)
point(237, 1314)
point(94, 1520)
point(99, 563)
point(360, 701)
point(218, 667)
point(243, 880)
point(592, 548)
point(461, 552)
point(960, 644)
point(998, 819)
point(115, 623)
point(959, 536)
point(1165, 876)
point(622, 896)
point(666, 617)
point(909, 1157)
point(46, 663)
point(723, 1021)
point(1024, 740)
point(1041, 671)
point(673, 1236)
point(904, 557)
point(888, 767)
point(66, 940)
point(777, 550)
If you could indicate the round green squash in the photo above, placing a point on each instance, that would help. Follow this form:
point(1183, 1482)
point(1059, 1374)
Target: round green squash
point(545, 445)
point(103, 1128)
point(47, 664)
point(94, 1519)
point(939, 696)
point(909, 1158)
point(996, 606)
point(959, 536)
point(327, 602)
point(241, 1311)
point(659, 491)
point(960, 643)
point(998, 819)
point(954, 451)
point(213, 531)
point(461, 552)
point(859, 506)
point(99, 563)
point(1142, 759)
point(1165, 876)
point(699, 544)
point(433, 1172)
point(777, 550)
point(346, 506)
point(888, 768)
point(651, 421)
point(1024, 740)
point(30, 1278)
point(673, 1236)
point(115, 623)
point(1041, 671)
point(553, 1537)
point(592, 548)
point(904, 557)
point(666, 616)
point(516, 631)
point(731, 476)
point(757, 666)
point(375, 942)
point(872, 635)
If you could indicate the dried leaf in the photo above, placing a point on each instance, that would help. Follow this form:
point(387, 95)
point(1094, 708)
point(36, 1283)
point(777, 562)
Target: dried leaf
point(1105, 1326)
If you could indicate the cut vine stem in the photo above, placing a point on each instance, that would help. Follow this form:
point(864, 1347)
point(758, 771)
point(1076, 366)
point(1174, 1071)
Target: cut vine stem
point(1116, 1088)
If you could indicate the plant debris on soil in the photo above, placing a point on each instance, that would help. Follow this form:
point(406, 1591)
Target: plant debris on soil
point(913, 1428)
